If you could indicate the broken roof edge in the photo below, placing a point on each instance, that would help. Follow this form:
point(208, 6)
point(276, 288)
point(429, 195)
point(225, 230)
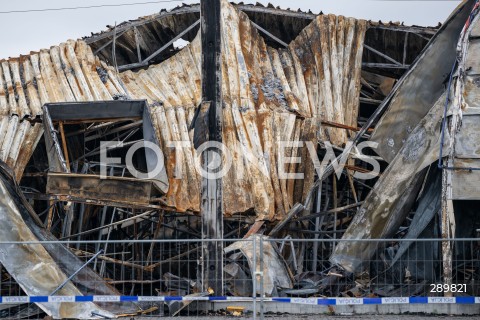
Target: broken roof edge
point(195, 8)
point(269, 9)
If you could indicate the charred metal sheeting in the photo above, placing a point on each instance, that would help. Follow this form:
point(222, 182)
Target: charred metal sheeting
point(102, 111)
point(421, 86)
point(31, 265)
point(465, 182)
point(275, 270)
point(270, 95)
point(18, 139)
point(238, 282)
point(386, 206)
point(467, 148)
point(89, 282)
point(429, 205)
point(96, 110)
point(407, 262)
point(93, 189)
point(65, 73)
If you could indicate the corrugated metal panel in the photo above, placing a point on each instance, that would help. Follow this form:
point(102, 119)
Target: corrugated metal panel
point(68, 72)
point(17, 141)
point(270, 95)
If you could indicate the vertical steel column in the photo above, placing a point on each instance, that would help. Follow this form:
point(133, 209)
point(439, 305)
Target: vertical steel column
point(211, 190)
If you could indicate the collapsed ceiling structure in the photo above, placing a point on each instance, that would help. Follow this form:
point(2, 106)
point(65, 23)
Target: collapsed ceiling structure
point(286, 76)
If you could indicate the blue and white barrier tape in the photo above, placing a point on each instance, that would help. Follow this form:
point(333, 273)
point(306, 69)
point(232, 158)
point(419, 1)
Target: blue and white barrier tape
point(390, 300)
point(311, 301)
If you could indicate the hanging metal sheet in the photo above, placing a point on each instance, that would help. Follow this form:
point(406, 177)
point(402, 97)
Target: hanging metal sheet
point(393, 195)
point(421, 86)
point(31, 265)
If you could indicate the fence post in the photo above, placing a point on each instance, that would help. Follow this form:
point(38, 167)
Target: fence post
point(254, 277)
point(262, 288)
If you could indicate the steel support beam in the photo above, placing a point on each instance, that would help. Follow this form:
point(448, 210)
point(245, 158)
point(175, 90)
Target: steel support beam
point(383, 55)
point(144, 62)
point(269, 34)
point(211, 206)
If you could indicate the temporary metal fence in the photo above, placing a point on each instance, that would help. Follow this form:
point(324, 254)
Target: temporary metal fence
point(155, 278)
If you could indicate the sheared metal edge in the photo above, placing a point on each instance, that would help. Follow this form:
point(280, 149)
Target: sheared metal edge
point(145, 35)
point(30, 264)
point(275, 270)
point(384, 207)
point(420, 87)
point(195, 8)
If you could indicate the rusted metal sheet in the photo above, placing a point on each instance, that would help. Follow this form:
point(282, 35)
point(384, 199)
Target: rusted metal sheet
point(332, 65)
point(88, 188)
point(270, 95)
point(421, 86)
point(17, 141)
point(65, 73)
point(429, 205)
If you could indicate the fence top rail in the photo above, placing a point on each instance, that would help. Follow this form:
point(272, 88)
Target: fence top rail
point(376, 240)
point(233, 240)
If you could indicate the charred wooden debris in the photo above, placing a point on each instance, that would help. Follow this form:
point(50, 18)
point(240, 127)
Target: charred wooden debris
point(283, 76)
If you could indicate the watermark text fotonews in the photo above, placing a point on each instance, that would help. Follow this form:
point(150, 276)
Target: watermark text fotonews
point(221, 158)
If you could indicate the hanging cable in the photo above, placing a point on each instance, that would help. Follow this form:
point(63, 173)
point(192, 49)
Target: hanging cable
point(90, 7)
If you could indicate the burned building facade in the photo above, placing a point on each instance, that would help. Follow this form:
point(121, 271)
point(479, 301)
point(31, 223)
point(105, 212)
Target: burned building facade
point(286, 77)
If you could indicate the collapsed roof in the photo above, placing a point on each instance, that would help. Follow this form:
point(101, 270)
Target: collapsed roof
point(286, 86)
point(287, 76)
